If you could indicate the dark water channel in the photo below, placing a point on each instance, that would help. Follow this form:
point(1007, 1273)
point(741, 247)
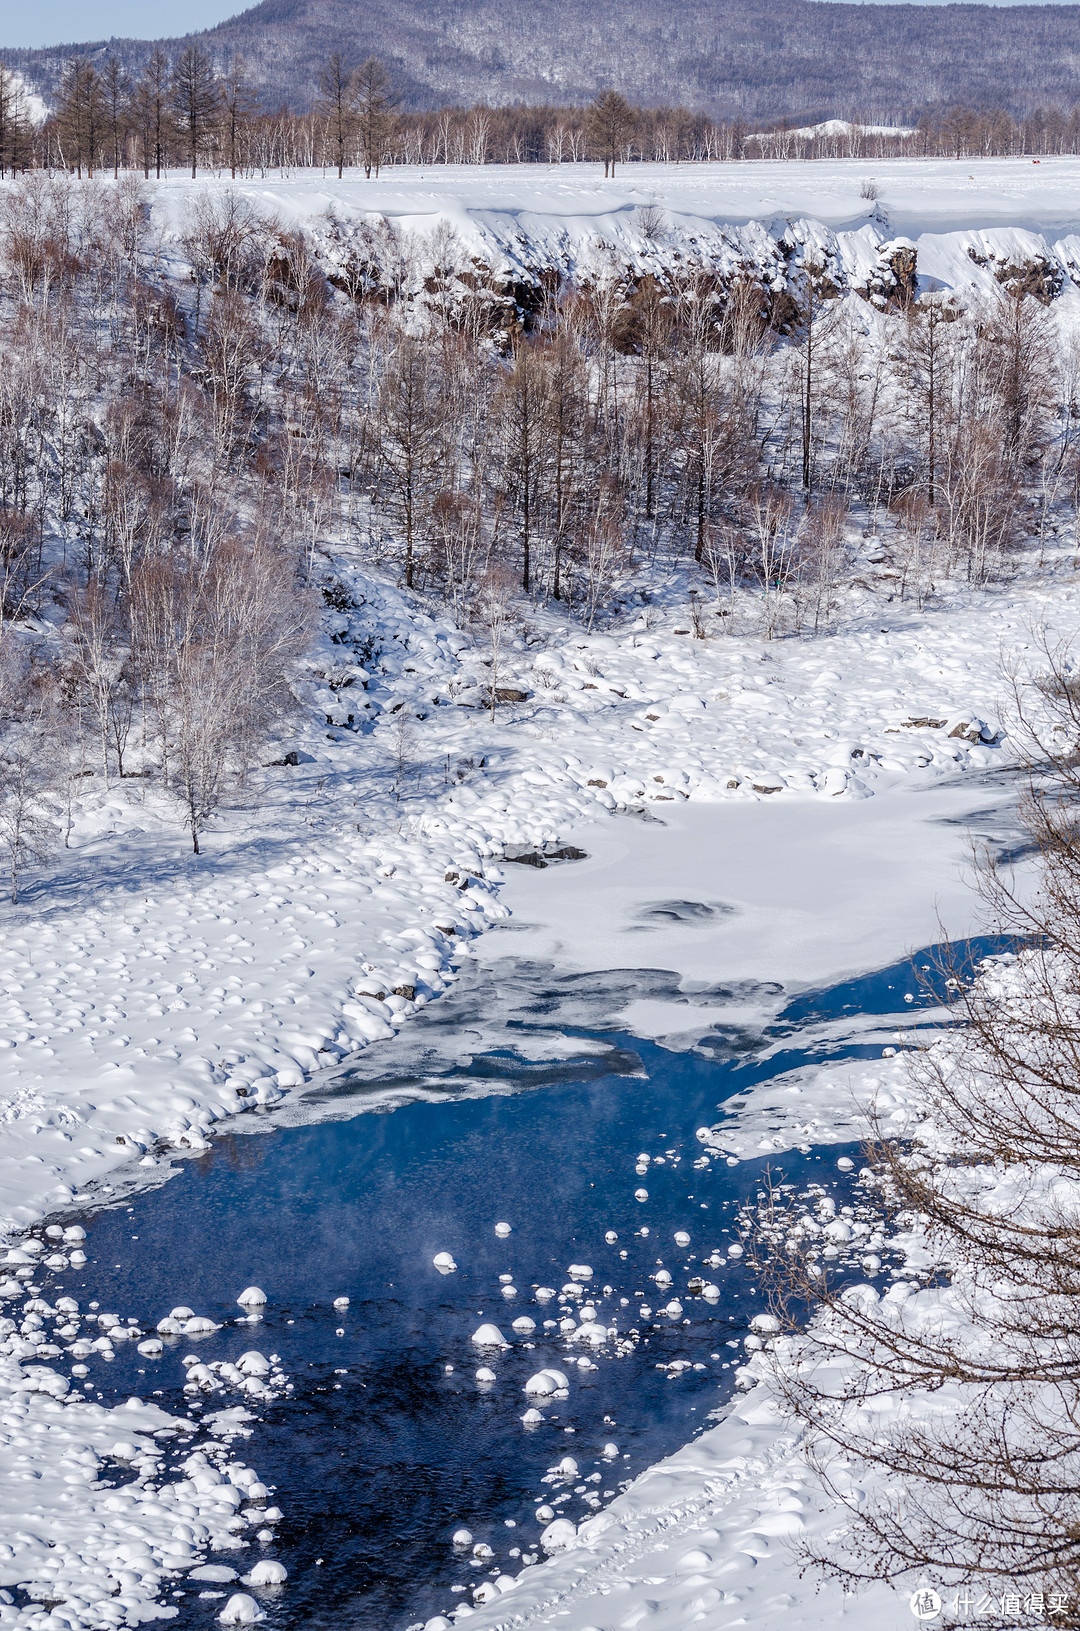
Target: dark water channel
point(381, 1451)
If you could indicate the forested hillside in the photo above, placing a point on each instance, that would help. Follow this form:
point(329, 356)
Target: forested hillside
point(723, 57)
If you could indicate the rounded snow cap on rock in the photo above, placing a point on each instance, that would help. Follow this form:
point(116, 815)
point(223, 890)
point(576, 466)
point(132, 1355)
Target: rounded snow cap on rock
point(75, 1232)
point(544, 1294)
point(241, 1610)
point(579, 1271)
point(532, 1418)
point(444, 1262)
point(611, 1237)
point(682, 1238)
point(767, 1324)
point(641, 1194)
point(253, 1297)
point(267, 1572)
point(181, 1313)
point(524, 1326)
point(502, 1230)
point(489, 1336)
point(485, 1374)
point(341, 1302)
point(463, 1537)
point(200, 1327)
point(439, 1623)
point(558, 1535)
point(253, 1363)
point(568, 1467)
point(611, 1449)
point(845, 1164)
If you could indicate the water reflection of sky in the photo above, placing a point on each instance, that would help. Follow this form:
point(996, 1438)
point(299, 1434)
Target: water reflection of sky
point(381, 1451)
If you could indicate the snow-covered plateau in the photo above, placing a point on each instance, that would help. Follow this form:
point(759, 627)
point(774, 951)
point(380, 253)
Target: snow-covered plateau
point(816, 796)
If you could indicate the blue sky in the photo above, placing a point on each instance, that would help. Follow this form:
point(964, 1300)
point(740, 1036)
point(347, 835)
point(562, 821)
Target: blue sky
point(58, 22)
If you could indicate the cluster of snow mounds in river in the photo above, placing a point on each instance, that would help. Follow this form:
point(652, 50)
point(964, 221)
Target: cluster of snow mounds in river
point(104, 1510)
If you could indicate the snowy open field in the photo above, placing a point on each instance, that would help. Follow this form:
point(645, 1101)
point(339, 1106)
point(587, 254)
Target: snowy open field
point(815, 797)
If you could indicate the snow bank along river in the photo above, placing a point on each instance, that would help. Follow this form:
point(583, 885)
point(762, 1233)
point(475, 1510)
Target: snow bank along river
point(381, 1427)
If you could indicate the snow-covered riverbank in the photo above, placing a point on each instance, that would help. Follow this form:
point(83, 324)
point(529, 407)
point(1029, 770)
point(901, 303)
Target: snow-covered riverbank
point(153, 993)
point(754, 815)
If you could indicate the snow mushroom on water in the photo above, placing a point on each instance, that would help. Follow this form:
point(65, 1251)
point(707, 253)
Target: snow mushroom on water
point(463, 1537)
point(444, 1262)
point(546, 1382)
point(268, 1572)
point(253, 1297)
point(489, 1336)
point(502, 1230)
point(241, 1610)
point(558, 1535)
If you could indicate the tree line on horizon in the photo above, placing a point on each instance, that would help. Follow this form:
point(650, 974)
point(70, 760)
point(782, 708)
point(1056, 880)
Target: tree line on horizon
point(189, 114)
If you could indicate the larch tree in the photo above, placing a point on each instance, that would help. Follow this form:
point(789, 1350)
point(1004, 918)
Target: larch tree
point(373, 100)
point(611, 125)
point(115, 91)
point(335, 107)
point(196, 100)
point(80, 116)
point(239, 103)
point(152, 114)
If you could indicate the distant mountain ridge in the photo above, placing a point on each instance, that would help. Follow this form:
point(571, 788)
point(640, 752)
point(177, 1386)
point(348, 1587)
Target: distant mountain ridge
point(797, 58)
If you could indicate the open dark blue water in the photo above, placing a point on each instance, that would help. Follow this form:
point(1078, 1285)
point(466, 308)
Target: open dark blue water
point(382, 1450)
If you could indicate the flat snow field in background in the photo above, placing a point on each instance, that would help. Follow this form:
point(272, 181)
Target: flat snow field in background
point(919, 195)
point(149, 994)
